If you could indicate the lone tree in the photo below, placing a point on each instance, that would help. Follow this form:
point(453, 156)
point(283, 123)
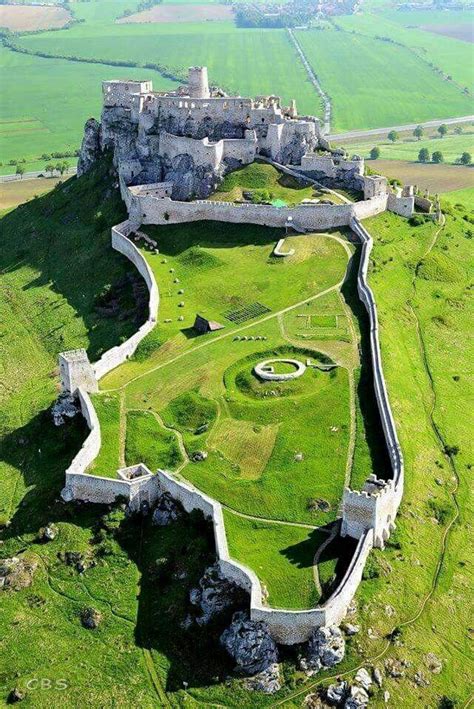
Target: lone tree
point(418, 132)
point(437, 156)
point(424, 155)
point(49, 168)
point(442, 129)
point(375, 153)
point(465, 159)
point(20, 170)
point(393, 136)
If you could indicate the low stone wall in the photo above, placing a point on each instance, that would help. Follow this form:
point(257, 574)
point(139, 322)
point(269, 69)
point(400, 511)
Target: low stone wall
point(117, 355)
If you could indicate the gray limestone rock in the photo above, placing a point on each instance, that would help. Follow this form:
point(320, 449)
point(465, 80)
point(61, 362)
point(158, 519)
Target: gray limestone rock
point(90, 148)
point(65, 407)
point(16, 573)
point(378, 677)
point(337, 693)
point(166, 511)
point(357, 699)
point(90, 618)
point(363, 679)
point(214, 594)
point(48, 533)
point(268, 681)
point(250, 644)
point(325, 648)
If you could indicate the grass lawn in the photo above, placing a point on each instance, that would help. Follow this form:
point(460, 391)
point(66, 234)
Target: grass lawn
point(280, 555)
point(420, 279)
point(465, 197)
point(264, 182)
point(377, 93)
point(425, 308)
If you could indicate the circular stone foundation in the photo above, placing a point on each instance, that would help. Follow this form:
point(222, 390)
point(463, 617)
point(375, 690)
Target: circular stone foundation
point(265, 371)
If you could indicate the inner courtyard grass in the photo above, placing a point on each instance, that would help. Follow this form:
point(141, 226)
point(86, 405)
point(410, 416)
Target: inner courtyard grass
point(265, 183)
point(281, 556)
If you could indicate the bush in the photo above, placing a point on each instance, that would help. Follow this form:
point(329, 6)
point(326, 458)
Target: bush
point(437, 156)
point(375, 153)
point(371, 570)
point(424, 155)
point(465, 159)
point(417, 220)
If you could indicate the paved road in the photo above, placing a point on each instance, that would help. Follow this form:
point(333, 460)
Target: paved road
point(411, 126)
point(32, 175)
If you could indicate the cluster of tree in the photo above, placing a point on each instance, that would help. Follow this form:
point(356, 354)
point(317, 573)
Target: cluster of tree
point(437, 157)
point(272, 14)
point(60, 167)
point(64, 154)
point(143, 5)
point(167, 72)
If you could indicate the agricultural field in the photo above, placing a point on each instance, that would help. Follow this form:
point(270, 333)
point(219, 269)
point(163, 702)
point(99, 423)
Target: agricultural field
point(387, 98)
point(19, 191)
point(452, 146)
point(435, 178)
point(180, 12)
point(452, 57)
point(50, 115)
point(29, 18)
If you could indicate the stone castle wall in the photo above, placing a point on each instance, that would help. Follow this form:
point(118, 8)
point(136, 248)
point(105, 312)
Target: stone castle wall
point(205, 152)
point(117, 355)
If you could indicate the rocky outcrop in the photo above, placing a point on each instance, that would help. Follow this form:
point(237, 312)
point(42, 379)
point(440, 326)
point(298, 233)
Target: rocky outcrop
point(16, 573)
point(325, 648)
point(65, 407)
point(90, 618)
point(90, 148)
point(190, 181)
point(215, 594)
point(250, 644)
point(166, 511)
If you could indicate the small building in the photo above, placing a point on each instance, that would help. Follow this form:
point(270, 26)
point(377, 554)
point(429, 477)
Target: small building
point(202, 325)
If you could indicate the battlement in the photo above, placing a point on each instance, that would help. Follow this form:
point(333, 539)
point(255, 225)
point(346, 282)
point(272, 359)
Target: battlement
point(75, 371)
point(374, 507)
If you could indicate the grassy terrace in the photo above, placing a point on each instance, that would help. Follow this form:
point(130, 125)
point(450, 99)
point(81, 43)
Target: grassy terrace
point(265, 183)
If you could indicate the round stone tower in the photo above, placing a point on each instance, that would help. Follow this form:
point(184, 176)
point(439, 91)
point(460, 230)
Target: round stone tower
point(197, 82)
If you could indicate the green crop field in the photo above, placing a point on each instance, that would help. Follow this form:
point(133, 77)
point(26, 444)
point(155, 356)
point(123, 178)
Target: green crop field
point(451, 146)
point(45, 103)
point(452, 56)
point(378, 93)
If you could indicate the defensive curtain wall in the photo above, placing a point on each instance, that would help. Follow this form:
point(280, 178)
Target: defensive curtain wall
point(367, 515)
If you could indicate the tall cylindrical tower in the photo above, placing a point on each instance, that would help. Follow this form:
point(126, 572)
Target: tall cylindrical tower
point(198, 83)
